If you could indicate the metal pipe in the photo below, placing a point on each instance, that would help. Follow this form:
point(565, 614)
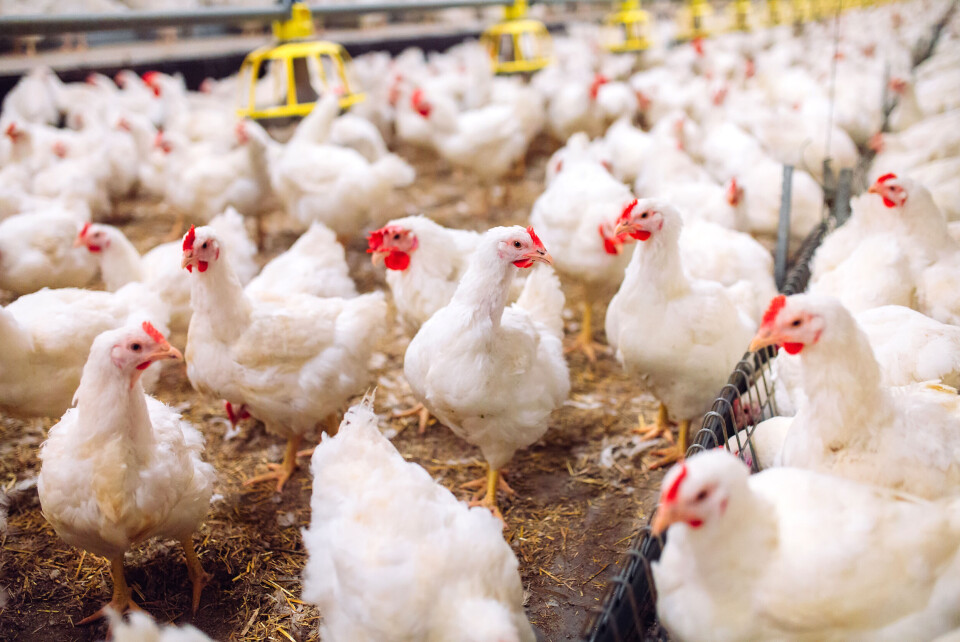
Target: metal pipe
point(783, 229)
point(48, 24)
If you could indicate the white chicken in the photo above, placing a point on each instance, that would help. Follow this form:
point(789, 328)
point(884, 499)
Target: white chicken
point(140, 627)
point(494, 374)
point(290, 360)
point(681, 335)
point(907, 438)
point(36, 251)
point(46, 337)
point(315, 264)
point(576, 217)
point(393, 556)
point(829, 559)
point(425, 261)
point(122, 468)
point(159, 269)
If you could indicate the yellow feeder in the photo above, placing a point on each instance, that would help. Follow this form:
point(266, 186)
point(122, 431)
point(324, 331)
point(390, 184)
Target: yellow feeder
point(693, 20)
point(300, 71)
point(631, 23)
point(741, 16)
point(775, 13)
point(802, 11)
point(518, 45)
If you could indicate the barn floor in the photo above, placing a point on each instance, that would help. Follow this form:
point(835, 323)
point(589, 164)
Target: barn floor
point(582, 491)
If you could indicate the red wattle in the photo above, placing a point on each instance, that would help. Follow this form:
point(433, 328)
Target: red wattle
point(189, 267)
point(202, 266)
point(610, 247)
point(523, 263)
point(888, 202)
point(792, 348)
point(144, 365)
point(397, 260)
point(640, 235)
point(94, 248)
point(695, 523)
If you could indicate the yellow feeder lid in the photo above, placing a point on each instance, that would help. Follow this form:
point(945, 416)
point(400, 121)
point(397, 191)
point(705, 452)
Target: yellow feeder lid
point(693, 20)
point(518, 44)
point(741, 15)
point(307, 69)
point(632, 22)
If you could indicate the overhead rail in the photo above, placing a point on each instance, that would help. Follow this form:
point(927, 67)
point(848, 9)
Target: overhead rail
point(29, 25)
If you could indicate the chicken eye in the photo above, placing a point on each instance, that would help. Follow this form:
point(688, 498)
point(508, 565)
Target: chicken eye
point(516, 244)
point(204, 246)
point(135, 347)
point(644, 215)
point(796, 323)
point(396, 236)
point(702, 495)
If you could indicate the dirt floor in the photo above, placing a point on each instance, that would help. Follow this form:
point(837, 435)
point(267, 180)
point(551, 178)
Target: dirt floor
point(582, 491)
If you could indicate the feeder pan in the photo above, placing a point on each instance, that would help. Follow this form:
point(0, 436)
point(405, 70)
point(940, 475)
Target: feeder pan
point(302, 70)
point(632, 27)
point(741, 10)
point(693, 20)
point(518, 45)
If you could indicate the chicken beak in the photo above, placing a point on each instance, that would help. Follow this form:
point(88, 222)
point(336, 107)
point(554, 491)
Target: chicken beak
point(166, 352)
point(662, 519)
point(764, 337)
point(377, 257)
point(187, 259)
point(624, 228)
point(78, 241)
point(876, 188)
point(539, 255)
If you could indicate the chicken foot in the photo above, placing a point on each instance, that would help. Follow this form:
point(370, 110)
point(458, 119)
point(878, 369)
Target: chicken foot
point(122, 600)
point(423, 417)
point(584, 342)
point(487, 487)
point(676, 452)
point(282, 471)
point(198, 577)
point(657, 430)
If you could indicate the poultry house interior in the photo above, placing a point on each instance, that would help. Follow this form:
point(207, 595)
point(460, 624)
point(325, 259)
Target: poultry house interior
point(494, 310)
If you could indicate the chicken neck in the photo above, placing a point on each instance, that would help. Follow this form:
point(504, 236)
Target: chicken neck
point(120, 263)
point(109, 406)
point(218, 298)
point(656, 267)
point(485, 285)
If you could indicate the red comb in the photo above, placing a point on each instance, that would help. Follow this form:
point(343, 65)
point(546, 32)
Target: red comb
point(189, 238)
point(625, 214)
point(533, 235)
point(775, 306)
point(84, 229)
point(375, 240)
point(150, 76)
point(674, 490)
point(887, 177)
point(154, 333)
point(598, 81)
point(698, 46)
point(11, 130)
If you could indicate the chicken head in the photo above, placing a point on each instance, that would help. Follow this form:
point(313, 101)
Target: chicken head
point(639, 221)
point(393, 244)
point(523, 249)
point(891, 189)
point(200, 248)
point(134, 349)
point(698, 491)
point(92, 236)
point(789, 323)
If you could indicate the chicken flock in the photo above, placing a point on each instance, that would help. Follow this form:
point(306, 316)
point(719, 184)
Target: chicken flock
point(662, 204)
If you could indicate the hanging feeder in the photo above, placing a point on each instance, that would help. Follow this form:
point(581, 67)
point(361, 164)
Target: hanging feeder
point(518, 45)
point(741, 16)
point(775, 13)
point(298, 71)
point(693, 20)
point(632, 28)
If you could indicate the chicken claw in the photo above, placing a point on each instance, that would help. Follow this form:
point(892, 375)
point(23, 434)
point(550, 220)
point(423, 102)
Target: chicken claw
point(122, 600)
point(674, 453)
point(584, 342)
point(282, 471)
point(422, 413)
point(659, 429)
point(198, 577)
point(486, 495)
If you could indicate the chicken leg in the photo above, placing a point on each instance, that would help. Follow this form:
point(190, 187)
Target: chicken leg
point(198, 577)
point(332, 427)
point(122, 600)
point(584, 342)
point(423, 416)
point(676, 452)
point(487, 487)
point(282, 471)
point(659, 429)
